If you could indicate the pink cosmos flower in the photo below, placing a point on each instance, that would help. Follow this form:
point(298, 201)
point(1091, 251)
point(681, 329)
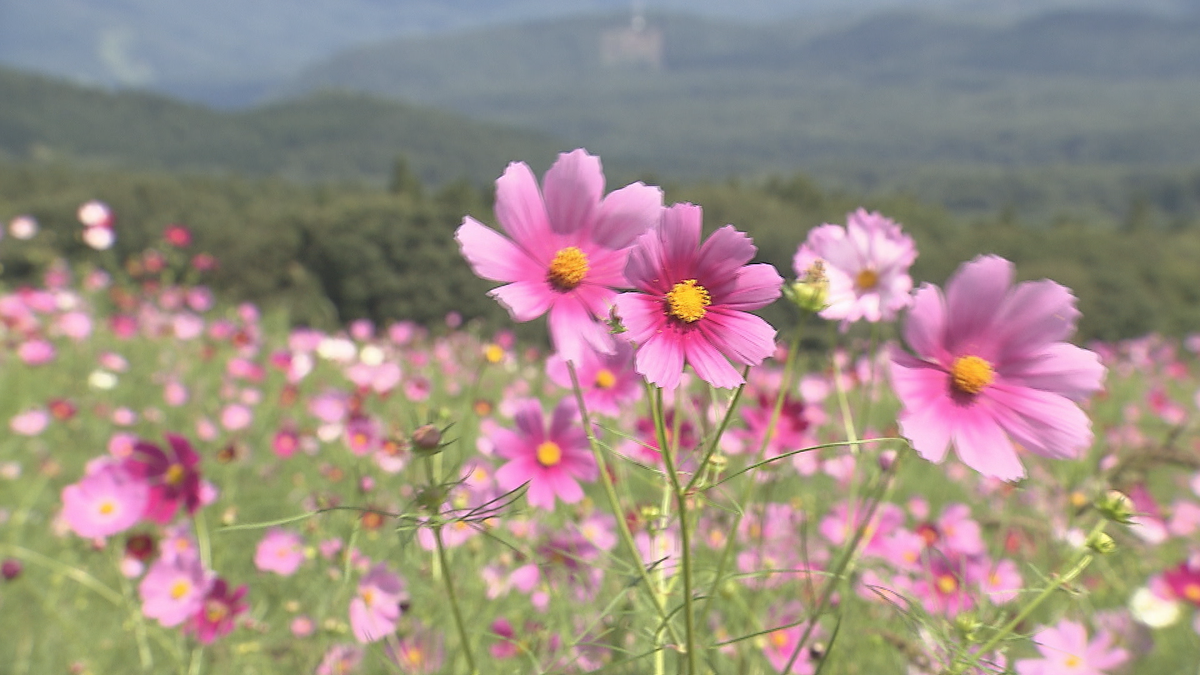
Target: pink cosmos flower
point(866, 264)
point(31, 422)
point(375, 610)
point(174, 590)
point(551, 459)
point(568, 246)
point(692, 301)
point(608, 381)
point(173, 477)
point(280, 551)
point(990, 368)
point(108, 500)
point(218, 612)
point(1066, 651)
point(341, 659)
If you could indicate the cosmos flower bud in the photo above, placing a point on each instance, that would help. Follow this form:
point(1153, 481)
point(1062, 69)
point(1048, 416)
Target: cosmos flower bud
point(10, 569)
point(811, 291)
point(1116, 506)
point(1101, 543)
point(427, 439)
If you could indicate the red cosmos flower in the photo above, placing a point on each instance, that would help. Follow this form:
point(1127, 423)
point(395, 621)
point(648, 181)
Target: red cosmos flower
point(177, 235)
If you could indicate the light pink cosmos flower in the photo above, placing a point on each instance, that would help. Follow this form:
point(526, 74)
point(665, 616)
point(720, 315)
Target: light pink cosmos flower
point(568, 246)
point(990, 368)
point(866, 264)
point(1066, 651)
point(551, 459)
point(375, 609)
point(279, 551)
point(174, 590)
point(693, 301)
point(32, 422)
point(108, 500)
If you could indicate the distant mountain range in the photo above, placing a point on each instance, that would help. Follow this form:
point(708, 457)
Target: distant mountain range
point(228, 52)
point(701, 97)
point(326, 136)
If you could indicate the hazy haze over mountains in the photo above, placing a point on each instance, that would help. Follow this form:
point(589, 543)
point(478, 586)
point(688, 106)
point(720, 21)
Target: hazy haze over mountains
point(227, 52)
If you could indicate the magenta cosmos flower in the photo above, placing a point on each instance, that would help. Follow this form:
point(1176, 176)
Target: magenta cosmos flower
point(172, 474)
point(218, 613)
point(552, 460)
point(1066, 651)
point(990, 368)
point(693, 300)
point(866, 264)
point(567, 250)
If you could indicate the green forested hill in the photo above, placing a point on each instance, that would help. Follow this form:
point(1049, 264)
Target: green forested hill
point(723, 98)
point(340, 136)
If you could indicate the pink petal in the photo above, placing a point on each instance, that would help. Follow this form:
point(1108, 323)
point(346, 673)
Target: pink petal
point(660, 360)
point(492, 256)
point(973, 295)
point(709, 364)
point(1044, 423)
point(982, 445)
point(743, 338)
point(573, 187)
point(522, 214)
point(641, 315)
point(1061, 368)
point(1034, 315)
point(626, 213)
point(926, 420)
point(925, 328)
point(541, 491)
point(679, 236)
point(516, 473)
point(525, 300)
point(564, 485)
point(643, 271)
point(573, 330)
point(754, 287)
point(722, 254)
point(529, 421)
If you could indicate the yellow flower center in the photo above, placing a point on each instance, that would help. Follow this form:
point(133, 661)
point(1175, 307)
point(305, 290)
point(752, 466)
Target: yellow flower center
point(947, 584)
point(179, 589)
point(567, 270)
point(215, 611)
point(779, 639)
point(1192, 592)
point(107, 508)
point(415, 657)
point(971, 374)
point(174, 475)
point(605, 379)
point(494, 353)
point(867, 280)
point(548, 453)
point(368, 596)
point(1073, 661)
point(686, 301)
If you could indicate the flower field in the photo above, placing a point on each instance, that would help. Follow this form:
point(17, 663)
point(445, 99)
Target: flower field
point(674, 486)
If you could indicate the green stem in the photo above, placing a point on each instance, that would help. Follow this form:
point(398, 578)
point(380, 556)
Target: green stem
point(847, 558)
point(1081, 563)
point(785, 384)
point(78, 575)
point(684, 536)
point(614, 504)
point(712, 446)
point(454, 608)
